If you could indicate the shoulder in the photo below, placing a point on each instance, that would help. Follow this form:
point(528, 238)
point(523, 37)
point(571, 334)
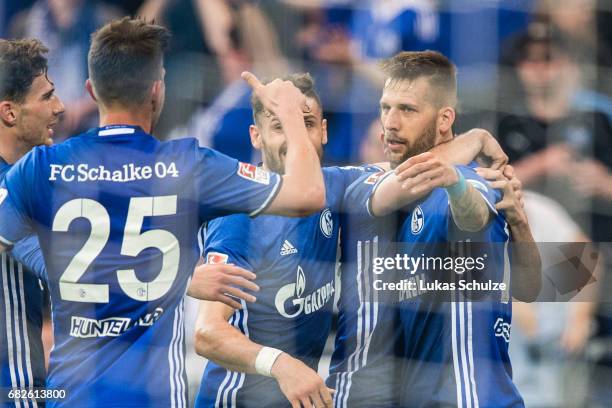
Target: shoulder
point(229, 224)
point(63, 149)
point(365, 181)
point(232, 231)
point(357, 194)
point(189, 149)
point(32, 157)
point(363, 168)
point(187, 144)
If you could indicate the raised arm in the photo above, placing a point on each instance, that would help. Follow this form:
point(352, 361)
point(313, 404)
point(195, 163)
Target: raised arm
point(417, 177)
point(302, 191)
point(222, 343)
point(476, 144)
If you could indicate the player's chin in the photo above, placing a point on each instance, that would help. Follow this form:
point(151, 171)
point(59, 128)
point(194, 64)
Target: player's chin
point(46, 140)
point(394, 157)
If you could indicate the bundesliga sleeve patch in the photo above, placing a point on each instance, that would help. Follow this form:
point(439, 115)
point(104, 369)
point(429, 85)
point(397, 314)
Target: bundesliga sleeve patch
point(373, 178)
point(216, 258)
point(253, 173)
point(3, 194)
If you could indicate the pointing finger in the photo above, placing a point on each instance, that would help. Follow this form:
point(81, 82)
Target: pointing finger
point(252, 80)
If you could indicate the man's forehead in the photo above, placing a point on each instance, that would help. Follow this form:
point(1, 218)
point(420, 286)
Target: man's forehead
point(41, 84)
point(315, 109)
point(406, 89)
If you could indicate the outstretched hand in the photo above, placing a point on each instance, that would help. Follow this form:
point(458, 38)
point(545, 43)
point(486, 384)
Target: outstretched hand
point(216, 282)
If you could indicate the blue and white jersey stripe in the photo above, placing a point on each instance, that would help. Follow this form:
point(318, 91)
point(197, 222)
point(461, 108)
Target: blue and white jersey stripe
point(22, 362)
point(16, 351)
point(233, 381)
point(367, 318)
point(463, 354)
point(367, 334)
point(452, 352)
point(176, 360)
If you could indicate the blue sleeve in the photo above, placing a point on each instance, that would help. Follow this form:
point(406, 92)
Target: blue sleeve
point(481, 185)
point(226, 186)
point(28, 253)
point(352, 173)
point(226, 241)
point(15, 210)
point(338, 179)
point(357, 196)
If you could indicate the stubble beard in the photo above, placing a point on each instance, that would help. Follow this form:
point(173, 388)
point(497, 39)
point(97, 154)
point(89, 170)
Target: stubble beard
point(425, 142)
point(276, 162)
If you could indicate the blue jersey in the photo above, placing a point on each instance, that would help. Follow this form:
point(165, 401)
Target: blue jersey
point(295, 263)
point(455, 349)
point(22, 297)
point(117, 214)
point(364, 367)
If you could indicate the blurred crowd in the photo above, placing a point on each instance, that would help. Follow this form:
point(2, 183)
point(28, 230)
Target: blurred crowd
point(533, 73)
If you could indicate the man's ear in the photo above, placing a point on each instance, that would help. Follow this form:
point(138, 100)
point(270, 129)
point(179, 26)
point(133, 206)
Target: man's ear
point(255, 137)
point(324, 132)
point(156, 95)
point(90, 90)
point(7, 113)
point(446, 118)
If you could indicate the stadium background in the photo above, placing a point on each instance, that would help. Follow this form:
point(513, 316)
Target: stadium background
point(534, 73)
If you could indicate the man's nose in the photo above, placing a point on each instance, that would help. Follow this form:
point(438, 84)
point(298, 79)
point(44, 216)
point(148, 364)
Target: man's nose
point(59, 108)
point(391, 120)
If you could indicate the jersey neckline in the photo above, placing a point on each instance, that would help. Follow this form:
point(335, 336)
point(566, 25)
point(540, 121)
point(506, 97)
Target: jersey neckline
point(116, 130)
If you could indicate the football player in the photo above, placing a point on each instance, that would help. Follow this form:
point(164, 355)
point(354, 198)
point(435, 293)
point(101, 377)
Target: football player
point(29, 109)
point(117, 214)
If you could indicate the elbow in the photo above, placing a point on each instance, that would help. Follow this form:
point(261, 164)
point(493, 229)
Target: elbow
point(531, 295)
point(313, 200)
point(528, 292)
point(317, 199)
point(204, 341)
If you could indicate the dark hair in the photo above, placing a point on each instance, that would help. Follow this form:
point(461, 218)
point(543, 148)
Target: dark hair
point(303, 81)
point(125, 58)
point(20, 62)
point(437, 68)
point(540, 32)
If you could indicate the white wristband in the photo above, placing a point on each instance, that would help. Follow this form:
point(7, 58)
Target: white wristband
point(265, 360)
